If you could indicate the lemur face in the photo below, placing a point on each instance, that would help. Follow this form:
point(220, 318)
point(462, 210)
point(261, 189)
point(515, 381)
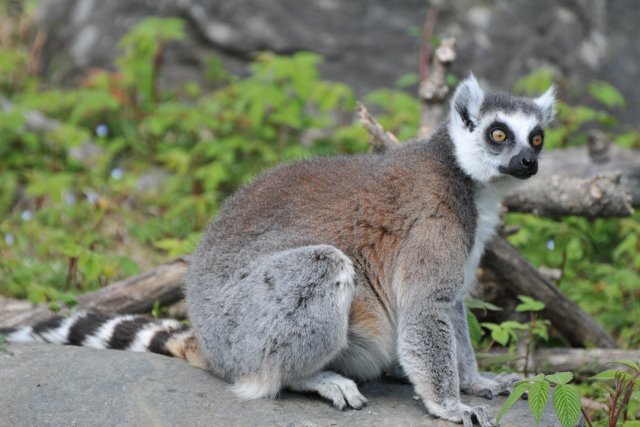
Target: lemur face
point(496, 134)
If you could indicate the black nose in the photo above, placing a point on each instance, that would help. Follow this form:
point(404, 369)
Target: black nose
point(529, 162)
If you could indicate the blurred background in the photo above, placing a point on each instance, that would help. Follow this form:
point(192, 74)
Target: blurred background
point(124, 124)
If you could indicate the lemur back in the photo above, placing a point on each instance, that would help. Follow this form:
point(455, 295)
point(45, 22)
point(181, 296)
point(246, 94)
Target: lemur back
point(346, 267)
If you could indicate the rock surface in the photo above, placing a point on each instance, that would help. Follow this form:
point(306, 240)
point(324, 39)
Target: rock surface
point(45, 385)
point(368, 44)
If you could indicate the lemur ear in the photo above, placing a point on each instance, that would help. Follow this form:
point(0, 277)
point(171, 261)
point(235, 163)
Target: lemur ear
point(547, 103)
point(466, 102)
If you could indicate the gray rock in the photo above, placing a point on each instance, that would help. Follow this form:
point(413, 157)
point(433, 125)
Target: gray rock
point(46, 385)
point(367, 43)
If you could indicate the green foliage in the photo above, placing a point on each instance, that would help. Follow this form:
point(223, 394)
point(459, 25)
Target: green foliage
point(510, 331)
point(566, 402)
point(606, 94)
point(599, 261)
point(621, 386)
point(130, 173)
point(566, 399)
point(529, 304)
point(538, 396)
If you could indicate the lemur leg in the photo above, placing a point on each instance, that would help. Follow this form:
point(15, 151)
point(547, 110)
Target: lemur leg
point(427, 353)
point(307, 292)
point(339, 390)
point(471, 382)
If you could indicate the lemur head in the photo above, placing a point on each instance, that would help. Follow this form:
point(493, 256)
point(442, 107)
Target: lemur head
point(497, 134)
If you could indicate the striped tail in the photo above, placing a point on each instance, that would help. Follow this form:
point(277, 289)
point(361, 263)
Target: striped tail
point(119, 332)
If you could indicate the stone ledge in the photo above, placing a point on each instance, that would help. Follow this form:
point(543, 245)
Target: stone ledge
point(46, 385)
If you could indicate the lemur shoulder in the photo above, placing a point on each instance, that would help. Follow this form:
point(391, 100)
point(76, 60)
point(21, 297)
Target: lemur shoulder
point(334, 269)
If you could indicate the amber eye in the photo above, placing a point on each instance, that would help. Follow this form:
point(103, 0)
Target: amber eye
point(537, 140)
point(498, 135)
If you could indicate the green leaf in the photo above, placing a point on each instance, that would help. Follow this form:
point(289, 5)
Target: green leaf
point(513, 325)
point(566, 401)
point(609, 374)
point(538, 397)
point(634, 423)
point(629, 363)
point(628, 139)
point(560, 377)
point(536, 82)
point(407, 80)
point(518, 391)
point(529, 304)
point(501, 336)
point(606, 94)
point(475, 330)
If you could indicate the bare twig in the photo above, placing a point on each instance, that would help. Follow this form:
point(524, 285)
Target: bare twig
point(427, 34)
point(380, 140)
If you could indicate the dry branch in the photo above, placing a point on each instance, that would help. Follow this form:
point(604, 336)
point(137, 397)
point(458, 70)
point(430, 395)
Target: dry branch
point(379, 139)
point(557, 195)
point(434, 91)
point(133, 295)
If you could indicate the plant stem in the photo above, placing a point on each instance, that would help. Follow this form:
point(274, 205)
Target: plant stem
point(586, 417)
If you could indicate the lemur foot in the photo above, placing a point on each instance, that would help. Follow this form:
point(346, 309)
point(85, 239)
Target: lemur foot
point(461, 413)
point(487, 388)
point(339, 390)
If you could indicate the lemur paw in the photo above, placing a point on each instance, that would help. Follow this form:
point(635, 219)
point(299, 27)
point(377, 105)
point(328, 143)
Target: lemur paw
point(481, 413)
point(487, 388)
point(461, 413)
point(341, 391)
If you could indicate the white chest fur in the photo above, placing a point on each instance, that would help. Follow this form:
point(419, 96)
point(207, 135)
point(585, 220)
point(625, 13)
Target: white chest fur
point(486, 200)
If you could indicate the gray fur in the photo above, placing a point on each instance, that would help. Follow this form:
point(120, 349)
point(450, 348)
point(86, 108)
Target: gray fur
point(500, 101)
point(399, 231)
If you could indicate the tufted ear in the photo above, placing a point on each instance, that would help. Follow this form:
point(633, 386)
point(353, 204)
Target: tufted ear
point(466, 103)
point(547, 102)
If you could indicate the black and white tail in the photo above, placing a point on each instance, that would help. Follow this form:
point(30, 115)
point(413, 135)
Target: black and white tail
point(120, 332)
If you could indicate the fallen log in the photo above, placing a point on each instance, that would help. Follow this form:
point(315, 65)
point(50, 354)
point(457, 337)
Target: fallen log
point(602, 196)
point(519, 277)
point(136, 294)
point(550, 360)
point(598, 157)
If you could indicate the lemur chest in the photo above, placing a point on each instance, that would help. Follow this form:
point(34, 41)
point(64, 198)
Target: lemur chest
point(487, 219)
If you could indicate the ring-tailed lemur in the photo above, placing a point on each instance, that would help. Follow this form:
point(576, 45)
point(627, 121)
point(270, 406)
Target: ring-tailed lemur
point(341, 267)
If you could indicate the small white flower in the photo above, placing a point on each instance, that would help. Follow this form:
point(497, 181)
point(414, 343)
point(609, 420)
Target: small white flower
point(70, 198)
point(27, 215)
point(9, 239)
point(102, 130)
point(92, 197)
point(551, 244)
point(117, 173)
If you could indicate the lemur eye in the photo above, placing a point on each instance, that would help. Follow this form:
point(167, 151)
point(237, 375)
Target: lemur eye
point(498, 135)
point(537, 140)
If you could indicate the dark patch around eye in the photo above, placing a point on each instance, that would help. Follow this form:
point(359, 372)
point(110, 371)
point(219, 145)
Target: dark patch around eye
point(498, 125)
point(536, 131)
